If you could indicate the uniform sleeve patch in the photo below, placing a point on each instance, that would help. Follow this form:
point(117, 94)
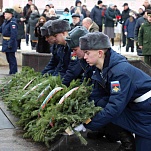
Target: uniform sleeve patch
point(13, 26)
point(115, 87)
point(73, 56)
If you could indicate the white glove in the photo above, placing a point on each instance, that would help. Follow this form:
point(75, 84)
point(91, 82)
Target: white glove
point(80, 128)
point(125, 33)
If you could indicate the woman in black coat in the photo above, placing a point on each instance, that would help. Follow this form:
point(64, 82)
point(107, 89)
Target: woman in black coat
point(42, 45)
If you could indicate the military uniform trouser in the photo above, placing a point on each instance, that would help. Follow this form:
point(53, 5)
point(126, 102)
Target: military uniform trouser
point(142, 144)
point(11, 59)
point(147, 59)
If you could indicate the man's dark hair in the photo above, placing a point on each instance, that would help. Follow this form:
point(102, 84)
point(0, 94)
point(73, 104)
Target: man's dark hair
point(66, 10)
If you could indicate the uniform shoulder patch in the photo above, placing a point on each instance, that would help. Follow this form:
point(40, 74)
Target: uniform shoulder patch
point(73, 56)
point(13, 26)
point(115, 86)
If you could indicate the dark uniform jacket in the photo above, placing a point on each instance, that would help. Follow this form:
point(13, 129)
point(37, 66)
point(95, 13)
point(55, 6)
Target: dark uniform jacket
point(122, 83)
point(60, 61)
point(9, 30)
point(52, 66)
point(81, 70)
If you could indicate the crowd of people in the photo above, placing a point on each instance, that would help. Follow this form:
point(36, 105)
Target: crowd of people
point(101, 14)
point(81, 49)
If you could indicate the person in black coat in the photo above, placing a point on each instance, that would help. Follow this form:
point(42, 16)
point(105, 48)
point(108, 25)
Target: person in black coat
point(124, 16)
point(25, 13)
point(42, 46)
point(110, 20)
point(1, 22)
point(97, 14)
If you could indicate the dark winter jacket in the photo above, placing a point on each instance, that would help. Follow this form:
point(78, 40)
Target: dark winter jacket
point(73, 26)
point(1, 18)
point(109, 16)
point(117, 12)
point(52, 17)
point(138, 24)
point(21, 27)
point(125, 15)
point(144, 38)
point(81, 70)
point(51, 67)
point(42, 46)
point(96, 15)
point(129, 28)
point(25, 12)
point(33, 20)
point(60, 61)
point(122, 83)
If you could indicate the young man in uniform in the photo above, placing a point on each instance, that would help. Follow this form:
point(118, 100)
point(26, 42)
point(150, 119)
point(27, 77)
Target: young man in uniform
point(82, 69)
point(127, 88)
point(52, 67)
point(69, 61)
point(9, 44)
point(62, 59)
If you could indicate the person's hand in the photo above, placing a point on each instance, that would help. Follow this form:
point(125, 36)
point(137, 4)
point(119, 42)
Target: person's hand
point(22, 19)
point(141, 47)
point(114, 19)
point(80, 128)
point(9, 47)
point(125, 33)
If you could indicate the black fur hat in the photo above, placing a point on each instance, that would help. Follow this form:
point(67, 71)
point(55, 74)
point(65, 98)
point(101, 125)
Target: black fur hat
point(95, 41)
point(60, 25)
point(45, 28)
point(74, 35)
